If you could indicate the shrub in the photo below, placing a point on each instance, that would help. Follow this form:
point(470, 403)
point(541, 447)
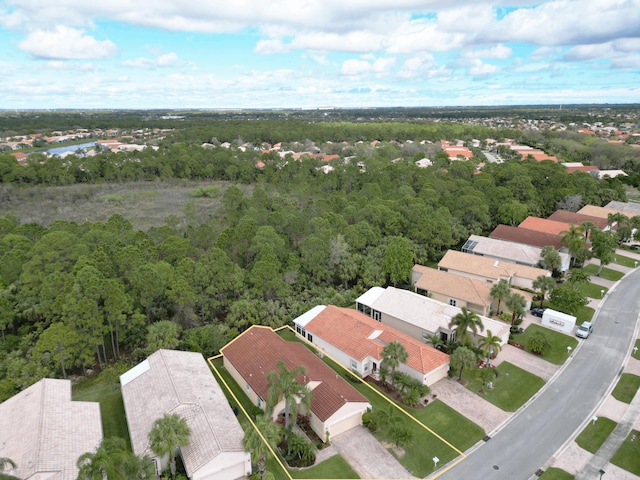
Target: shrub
point(538, 343)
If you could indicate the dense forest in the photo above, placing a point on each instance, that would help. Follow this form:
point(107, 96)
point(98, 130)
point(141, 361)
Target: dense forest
point(284, 237)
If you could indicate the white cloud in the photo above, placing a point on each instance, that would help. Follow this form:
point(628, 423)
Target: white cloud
point(141, 62)
point(167, 59)
point(354, 67)
point(66, 43)
point(480, 68)
point(499, 52)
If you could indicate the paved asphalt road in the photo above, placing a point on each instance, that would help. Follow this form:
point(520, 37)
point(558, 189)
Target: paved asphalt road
point(533, 436)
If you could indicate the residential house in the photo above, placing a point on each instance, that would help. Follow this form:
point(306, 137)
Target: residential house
point(335, 405)
point(44, 432)
point(577, 219)
point(595, 211)
point(175, 382)
point(526, 236)
point(489, 269)
point(538, 224)
point(356, 341)
point(471, 293)
point(516, 253)
point(420, 317)
point(630, 209)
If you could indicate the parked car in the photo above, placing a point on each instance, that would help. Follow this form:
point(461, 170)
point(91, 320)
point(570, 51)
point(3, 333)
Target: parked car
point(584, 330)
point(538, 311)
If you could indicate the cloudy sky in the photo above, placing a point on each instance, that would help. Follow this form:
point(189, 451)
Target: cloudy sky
point(316, 53)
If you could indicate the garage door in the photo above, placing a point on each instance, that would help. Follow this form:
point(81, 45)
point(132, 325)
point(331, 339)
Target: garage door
point(230, 473)
point(346, 424)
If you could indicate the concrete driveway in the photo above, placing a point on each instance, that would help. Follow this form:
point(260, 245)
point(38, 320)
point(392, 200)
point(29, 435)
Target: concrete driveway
point(367, 456)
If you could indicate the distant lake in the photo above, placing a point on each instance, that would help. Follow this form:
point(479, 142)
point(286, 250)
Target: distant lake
point(70, 148)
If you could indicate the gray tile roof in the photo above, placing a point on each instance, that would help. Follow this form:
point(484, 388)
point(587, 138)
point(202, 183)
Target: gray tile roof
point(44, 432)
point(171, 381)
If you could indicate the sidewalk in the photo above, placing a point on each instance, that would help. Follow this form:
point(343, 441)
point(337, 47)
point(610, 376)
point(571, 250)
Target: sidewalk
point(582, 464)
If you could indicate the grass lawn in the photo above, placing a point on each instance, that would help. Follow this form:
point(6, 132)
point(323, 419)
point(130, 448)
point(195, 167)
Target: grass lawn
point(333, 467)
point(625, 261)
point(626, 388)
point(594, 434)
point(511, 389)
point(606, 273)
point(592, 290)
point(557, 353)
point(585, 314)
point(556, 474)
point(628, 454)
point(114, 421)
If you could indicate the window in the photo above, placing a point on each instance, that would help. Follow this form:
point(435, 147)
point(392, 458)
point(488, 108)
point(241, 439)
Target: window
point(354, 364)
point(259, 402)
point(367, 366)
point(453, 302)
point(425, 335)
point(377, 315)
point(310, 337)
point(248, 387)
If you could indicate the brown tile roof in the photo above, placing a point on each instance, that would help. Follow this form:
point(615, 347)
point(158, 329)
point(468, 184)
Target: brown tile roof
point(526, 236)
point(454, 286)
point(544, 225)
point(256, 352)
point(575, 218)
point(360, 336)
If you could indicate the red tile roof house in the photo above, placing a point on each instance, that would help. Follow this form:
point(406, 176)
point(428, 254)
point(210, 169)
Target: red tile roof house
point(335, 405)
point(526, 236)
point(356, 341)
point(575, 218)
point(172, 381)
point(543, 225)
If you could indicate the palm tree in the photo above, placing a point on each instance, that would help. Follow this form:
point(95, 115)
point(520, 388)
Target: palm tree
point(7, 463)
point(283, 384)
point(573, 239)
point(139, 468)
point(491, 345)
point(464, 321)
point(516, 304)
point(167, 435)
point(577, 277)
point(551, 258)
point(393, 354)
point(462, 358)
point(257, 440)
point(544, 284)
point(586, 228)
point(106, 463)
point(500, 291)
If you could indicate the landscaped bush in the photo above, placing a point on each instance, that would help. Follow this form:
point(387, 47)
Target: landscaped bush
point(538, 343)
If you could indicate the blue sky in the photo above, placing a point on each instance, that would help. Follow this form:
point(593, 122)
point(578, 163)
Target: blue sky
point(316, 53)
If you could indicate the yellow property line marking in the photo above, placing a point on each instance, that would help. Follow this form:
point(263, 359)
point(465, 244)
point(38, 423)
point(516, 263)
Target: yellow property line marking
point(461, 454)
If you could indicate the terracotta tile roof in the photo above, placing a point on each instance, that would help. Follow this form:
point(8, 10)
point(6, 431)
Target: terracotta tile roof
point(454, 286)
point(543, 225)
point(360, 336)
point(526, 236)
point(256, 352)
point(487, 267)
point(44, 432)
point(582, 168)
point(575, 218)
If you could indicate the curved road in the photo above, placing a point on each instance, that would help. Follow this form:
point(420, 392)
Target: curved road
point(540, 429)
